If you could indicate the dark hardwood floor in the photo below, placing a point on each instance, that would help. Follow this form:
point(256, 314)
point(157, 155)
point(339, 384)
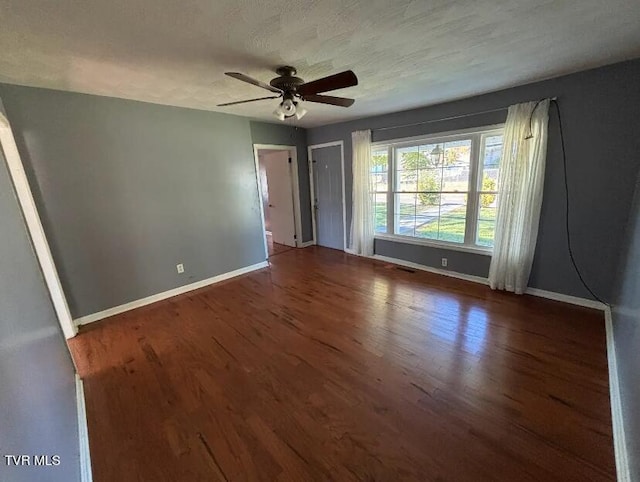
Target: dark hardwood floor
point(326, 366)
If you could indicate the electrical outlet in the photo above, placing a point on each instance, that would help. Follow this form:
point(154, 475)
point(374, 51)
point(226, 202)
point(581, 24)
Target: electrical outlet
point(444, 262)
point(180, 268)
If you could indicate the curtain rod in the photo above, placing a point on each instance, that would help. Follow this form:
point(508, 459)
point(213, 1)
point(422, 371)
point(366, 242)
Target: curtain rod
point(446, 118)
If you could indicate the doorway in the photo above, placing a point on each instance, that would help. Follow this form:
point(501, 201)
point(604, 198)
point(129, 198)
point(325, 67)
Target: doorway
point(327, 186)
point(276, 168)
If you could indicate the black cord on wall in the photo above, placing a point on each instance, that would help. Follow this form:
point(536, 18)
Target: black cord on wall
point(567, 205)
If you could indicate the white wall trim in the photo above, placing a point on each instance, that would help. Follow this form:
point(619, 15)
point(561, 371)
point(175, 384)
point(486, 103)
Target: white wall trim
point(86, 474)
point(619, 437)
point(572, 300)
point(422, 267)
point(312, 189)
point(34, 226)
point(168, 294)
point(295, 187)
point(307, 244)
point(312, 196)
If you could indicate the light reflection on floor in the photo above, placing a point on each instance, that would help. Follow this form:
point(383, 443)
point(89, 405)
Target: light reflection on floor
point(468, 332)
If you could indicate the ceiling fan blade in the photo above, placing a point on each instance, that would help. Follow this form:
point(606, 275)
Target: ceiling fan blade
point(250, 100)
point(328, 99)
point(333, 82)
point(251, 80)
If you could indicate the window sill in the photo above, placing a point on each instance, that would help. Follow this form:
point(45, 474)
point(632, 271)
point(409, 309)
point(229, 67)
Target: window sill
point(465, 248)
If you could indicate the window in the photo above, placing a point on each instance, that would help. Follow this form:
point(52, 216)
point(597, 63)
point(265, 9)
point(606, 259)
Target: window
point(380, 186)
point(438, 190)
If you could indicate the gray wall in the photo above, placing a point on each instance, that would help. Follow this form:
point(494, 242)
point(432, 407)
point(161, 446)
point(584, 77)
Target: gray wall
point(602, 134)
point(468, 263)
point(127, 190)
point(283, 134)
point(37, 385)
point(626, 330)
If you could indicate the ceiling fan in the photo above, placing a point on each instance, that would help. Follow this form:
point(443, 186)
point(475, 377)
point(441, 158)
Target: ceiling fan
point(291, 88)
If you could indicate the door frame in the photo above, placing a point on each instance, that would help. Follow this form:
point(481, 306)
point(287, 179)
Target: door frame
point(295, 189)
point(34, 226)
point(312, 189)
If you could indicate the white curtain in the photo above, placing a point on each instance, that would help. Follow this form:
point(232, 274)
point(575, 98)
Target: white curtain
point(520, 185)
point(361, 242)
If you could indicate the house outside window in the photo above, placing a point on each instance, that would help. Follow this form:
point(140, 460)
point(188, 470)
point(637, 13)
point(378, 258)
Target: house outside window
point(439, 190)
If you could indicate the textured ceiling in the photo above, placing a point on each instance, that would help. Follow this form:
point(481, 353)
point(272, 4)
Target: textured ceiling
point(405, 53)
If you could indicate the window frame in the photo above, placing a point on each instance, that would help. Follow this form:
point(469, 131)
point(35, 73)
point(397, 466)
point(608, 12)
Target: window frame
point(478, 136)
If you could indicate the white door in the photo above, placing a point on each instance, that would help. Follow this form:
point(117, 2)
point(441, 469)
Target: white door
point(280, 205)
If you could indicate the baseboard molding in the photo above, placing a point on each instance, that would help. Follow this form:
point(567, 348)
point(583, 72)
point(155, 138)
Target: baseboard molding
point(86, 474)
point(422, 267)
point(306, 244)
point(572, 300)
point(167, 294)
point(550, 295)
point(619, 437)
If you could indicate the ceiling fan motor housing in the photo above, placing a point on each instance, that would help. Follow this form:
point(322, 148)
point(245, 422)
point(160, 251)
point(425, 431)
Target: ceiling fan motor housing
point(287, 82)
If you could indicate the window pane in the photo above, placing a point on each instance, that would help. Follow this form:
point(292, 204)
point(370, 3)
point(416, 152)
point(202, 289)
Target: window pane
point(405, 214)
point(407, 180)
point(453, 217)
point(488, 199)
point(455, 166)
point(379, 181)
point(380, 212)
point(486, 219)
point(380, 161)
point(380, 186)
point(491, 162)
point(411, 158)
point(455, 178)
point(427, 216)
point(430, 180)
point(432, 156)
point(410, 161)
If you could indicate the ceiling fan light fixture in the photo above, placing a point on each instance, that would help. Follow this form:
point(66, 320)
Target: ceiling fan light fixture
point(288, 107)
point(279, 113)
point(300, 112)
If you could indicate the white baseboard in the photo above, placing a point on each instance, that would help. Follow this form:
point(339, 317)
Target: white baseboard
point(422, 267)
point(86, 474)
point(167, 294)
point(619, 438)
point(306, 244)
point(572, 300)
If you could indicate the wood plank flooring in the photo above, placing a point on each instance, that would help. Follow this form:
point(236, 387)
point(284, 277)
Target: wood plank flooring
point(326, 366)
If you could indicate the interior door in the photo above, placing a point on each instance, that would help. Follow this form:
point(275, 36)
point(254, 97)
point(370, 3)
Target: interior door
point(280, 207)
point(327, 182)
